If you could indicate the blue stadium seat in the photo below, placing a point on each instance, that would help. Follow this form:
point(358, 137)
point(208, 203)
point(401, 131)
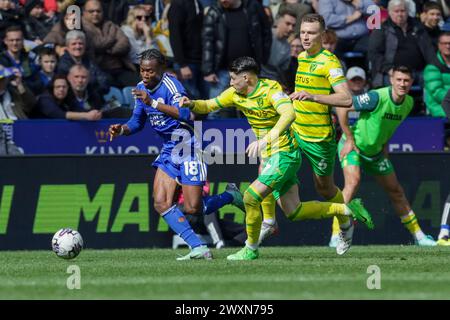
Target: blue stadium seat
point(128, 97)
point(114, 93)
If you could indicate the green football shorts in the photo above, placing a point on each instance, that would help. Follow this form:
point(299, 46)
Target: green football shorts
point(279, 172)
point(321, 155)
point(377, 165)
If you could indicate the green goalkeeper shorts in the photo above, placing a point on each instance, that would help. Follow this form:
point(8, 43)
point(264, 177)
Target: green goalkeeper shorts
point(378, 165)
point(321, 155)
point(279, 172)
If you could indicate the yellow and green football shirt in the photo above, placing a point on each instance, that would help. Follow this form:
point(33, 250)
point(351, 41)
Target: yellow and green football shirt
point(316, 74)
point(260, 108)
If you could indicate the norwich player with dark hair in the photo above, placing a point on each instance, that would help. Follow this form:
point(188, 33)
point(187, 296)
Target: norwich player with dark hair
point(270, 114)
point(320, 84)
point(364, 145)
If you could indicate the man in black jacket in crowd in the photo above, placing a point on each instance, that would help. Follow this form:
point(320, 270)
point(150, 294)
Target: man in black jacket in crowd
point(401, 40)
point(232, 29)
point(185, 27)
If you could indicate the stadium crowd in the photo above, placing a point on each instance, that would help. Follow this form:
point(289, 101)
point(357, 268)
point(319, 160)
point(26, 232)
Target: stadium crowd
point(55, 65)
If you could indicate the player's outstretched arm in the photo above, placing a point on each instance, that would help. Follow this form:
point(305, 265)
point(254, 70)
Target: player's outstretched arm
point(199, 106)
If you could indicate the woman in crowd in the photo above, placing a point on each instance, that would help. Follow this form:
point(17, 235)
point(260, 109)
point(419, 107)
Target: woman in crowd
point(137, 29)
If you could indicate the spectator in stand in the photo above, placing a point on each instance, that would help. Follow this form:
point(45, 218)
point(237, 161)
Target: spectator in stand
point(47, 63)
point(329, 42)
point(57, 35)
point(85, 98)
point(431, 17)
point(9, 16)
point(357, 81)
point(161, 34)
point(185, 27)
point(400, 41)
point(347, 19)
point(16, 100)
point(37, 24)
point(280, 52)
point(299, 7)
point(57, 103)
point(50, 6)
point(290, 74)
point(115, 10)
point(232, 29)
point(437, 78)
point(138, 30)
point(76, 54)
point(16, 56)
point(111, 46)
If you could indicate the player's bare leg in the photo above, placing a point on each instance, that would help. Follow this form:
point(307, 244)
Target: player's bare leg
point(403, 209)
point(164, 188)
point(193, 203)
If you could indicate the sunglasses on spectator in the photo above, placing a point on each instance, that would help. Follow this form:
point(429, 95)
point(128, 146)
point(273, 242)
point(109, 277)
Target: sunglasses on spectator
point(142, 17)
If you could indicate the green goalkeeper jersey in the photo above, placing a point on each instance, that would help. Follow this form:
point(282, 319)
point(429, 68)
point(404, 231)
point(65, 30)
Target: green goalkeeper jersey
point(379, 117)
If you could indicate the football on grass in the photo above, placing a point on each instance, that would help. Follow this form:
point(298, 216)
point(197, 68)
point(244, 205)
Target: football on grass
point(67, 243)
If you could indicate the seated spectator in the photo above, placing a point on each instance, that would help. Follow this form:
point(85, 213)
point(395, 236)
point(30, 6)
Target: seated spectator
point(347, 19)
point(57, 103)
point(357, 81)
point(16, 100)
point(47, 62)
point(9, 16)
point(16, 56)
point(437, 78)
point(431, 17)
point(57, 34)
point(400, 41)
point(76, 54)
point(85, 97)
point(137, 29)
point(111, 46)
point(37, 24)
point(329, 42)
point(290, 74)
point(280, 51)
point(299, 7)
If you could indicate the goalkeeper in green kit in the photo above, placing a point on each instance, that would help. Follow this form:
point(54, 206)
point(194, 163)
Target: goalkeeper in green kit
point(363, 145)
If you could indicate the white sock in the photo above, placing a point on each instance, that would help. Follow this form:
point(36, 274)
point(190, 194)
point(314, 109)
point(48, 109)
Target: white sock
point(347, 224)
point(269, 221)
point(419, 235)
point(444, 231)
point(251, 246)
point(347, 210)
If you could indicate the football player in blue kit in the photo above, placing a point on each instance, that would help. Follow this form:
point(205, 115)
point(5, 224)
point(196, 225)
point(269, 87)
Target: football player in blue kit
point(180, 160)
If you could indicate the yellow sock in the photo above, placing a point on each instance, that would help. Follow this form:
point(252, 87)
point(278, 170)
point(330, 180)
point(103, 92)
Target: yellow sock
point(317, 210)
point(410, 222)
point(268, 208)
point(340, 220)
point(253, 219)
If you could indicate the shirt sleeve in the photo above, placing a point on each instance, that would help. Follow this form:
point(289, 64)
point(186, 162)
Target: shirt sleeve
point(224, 100)
point(138, 118)
point(335, 72)
point(366, 102)
point(278, 98)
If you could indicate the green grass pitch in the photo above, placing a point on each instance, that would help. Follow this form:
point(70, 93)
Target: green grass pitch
point(407, 272)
